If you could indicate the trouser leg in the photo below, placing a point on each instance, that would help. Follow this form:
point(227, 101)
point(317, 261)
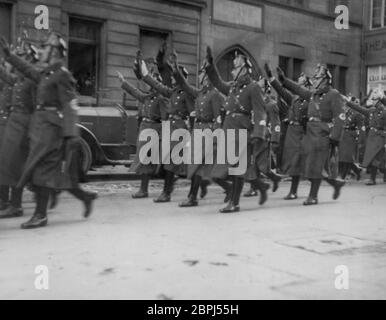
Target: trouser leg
point(16, 197)
point(226, 186)
point(263, 188)
point(295, 184)
point(145, 183)
point(237, 189)
point(315, 186)
point(275, 179)
point(4, 194)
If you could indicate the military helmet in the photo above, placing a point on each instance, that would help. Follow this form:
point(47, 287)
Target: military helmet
point(56, 40)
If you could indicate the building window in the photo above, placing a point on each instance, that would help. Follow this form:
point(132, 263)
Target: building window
point(339, 77)
point(291, 66)
point(84, 54)
point(376, 77)
point(5, 20)
point(378, 17)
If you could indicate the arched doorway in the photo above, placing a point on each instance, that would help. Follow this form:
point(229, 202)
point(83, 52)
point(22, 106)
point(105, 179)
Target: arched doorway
point(224, 62)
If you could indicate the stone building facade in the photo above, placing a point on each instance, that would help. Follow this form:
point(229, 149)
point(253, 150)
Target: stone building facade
point(104, 36)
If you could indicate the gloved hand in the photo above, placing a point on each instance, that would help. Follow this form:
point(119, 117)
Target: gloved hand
point(120, 77)
point(280, 74)
point(209, 56)
point(4, 47)
point(268, 71)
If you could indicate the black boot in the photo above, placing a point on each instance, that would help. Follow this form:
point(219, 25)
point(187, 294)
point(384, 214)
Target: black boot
point(204, 188)
point(143, 191)
point(313, 196)
point(168, 188)
point(192, 198)
point(293, 195)
point(357, 170)
point(234, 204)
point(337, 185)
point(4, 197)
point(373, 176)
point(263, 189)
point(275, 178)
point(86, 197)
point(14, 210)
point(54, 199)
point(344, 170)
point(227, 188)
point(39, 219)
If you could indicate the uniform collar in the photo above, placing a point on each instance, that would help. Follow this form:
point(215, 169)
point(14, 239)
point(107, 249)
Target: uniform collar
point(323, 90)
point(243, 80)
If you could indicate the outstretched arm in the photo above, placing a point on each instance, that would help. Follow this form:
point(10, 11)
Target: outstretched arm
point(358, 108)
point(6, 77)
point(282, 92)
point(213, 74)
point(130, 89)
point(189, 89)
point(298, 90)
point(24, 67)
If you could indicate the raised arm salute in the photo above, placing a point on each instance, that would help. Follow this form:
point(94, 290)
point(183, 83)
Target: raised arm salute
point(245, 112)
point(152, 109)
point(374, 157)
point(54, 136)
point(297, 119)
point(324, 130)
point(14, 148)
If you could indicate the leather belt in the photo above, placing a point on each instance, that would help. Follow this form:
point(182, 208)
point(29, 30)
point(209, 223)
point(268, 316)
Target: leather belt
point(237, 113)
point(203, 121)
point(378, 130)
point(149, 120)
point(44, 108)
point(295, 123)
point(314, 119)
point(177, 117)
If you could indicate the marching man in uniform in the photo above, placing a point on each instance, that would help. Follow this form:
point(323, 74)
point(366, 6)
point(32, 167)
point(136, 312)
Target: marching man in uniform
point(324, 131)
point(180, 107)
point(297, 120)
point(5, 105)
point(209, 104)
point(15, 145)
point(245, 110)
point(153, 110)
point(53, 134)
point(374, 157)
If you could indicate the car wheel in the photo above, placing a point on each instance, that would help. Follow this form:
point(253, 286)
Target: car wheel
point(85, 156)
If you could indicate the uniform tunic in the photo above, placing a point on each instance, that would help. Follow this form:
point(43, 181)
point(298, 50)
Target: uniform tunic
point(180, 106)
point(292, 160)
point(245, 110)
point(152, 111)
point(209, 104)
point(349, 144)
point(55, 118)
point(15, 146)
point(325, 122)
point(376, 140)
point(5, 105)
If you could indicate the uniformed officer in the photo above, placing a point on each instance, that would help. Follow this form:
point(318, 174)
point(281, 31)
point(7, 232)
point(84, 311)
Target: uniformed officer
point(180, 106)
point(54, 136)
point(324, 131)
point(5, 105)
point(14, 149)
point(245, 110)
point(349, 145)
point(152, 110)
point(209, 106)
point(374, 157)
point(297, 121)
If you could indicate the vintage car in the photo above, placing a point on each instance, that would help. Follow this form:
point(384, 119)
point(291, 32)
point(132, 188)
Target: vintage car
point(108, 135)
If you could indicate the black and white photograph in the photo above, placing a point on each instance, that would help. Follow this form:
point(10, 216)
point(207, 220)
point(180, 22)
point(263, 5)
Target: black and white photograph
point(192, 150)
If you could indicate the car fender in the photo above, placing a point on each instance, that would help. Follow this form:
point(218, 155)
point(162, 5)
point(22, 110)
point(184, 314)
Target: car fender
point(96, 148)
